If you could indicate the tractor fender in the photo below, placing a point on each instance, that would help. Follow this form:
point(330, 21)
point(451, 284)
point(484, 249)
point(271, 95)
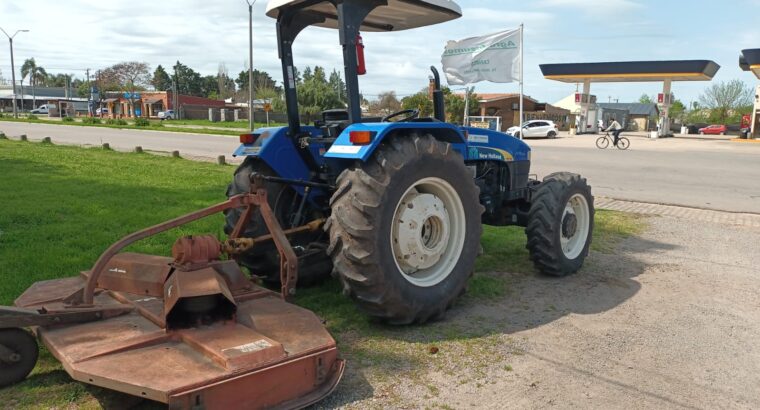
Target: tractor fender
point(277, 150)
point(342, 148)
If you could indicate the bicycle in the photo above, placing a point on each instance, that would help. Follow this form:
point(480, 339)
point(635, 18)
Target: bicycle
point(604, 141)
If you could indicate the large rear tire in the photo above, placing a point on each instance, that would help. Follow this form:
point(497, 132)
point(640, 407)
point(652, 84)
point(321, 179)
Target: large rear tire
point(560, 224)
point(263, 260)
point(405, 229)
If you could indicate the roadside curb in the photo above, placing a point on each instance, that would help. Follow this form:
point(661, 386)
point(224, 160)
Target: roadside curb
point(704, 215)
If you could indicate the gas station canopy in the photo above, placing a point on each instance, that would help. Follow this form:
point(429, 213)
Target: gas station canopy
point(750, 61)
point(632, 71)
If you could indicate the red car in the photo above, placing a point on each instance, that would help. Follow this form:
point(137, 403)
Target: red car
point(713, 130)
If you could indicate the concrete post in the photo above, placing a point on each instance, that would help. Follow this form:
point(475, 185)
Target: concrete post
point(236, 115)
point(664, 115)
point(582, 128)
point(222, 115)
point(754, 129)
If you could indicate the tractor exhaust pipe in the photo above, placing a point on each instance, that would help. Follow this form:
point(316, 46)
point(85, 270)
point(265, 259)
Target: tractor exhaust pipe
point(439, 110)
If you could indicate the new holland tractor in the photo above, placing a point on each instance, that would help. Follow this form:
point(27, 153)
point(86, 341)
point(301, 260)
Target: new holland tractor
point(403, 197)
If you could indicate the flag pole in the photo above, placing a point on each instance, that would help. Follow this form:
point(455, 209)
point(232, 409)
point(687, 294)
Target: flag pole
point(466, 121)
point(521, 80)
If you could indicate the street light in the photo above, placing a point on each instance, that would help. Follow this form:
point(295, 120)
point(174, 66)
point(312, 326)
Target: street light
point(13, 69)
point(250, 63)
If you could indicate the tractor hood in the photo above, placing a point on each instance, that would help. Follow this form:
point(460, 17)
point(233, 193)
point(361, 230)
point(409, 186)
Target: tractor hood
point(397, 15)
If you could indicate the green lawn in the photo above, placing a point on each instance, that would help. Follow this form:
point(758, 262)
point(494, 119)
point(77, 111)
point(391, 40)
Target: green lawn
point(226, 124)
point(206, 127)
point(60, 207)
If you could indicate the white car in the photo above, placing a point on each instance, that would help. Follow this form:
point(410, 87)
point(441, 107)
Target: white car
point(166, 115)
point(42, 109)
point(535, 128)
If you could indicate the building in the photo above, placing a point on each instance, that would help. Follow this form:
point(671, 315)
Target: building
point(29, 98)
point(507, 106)
point(634, 116)
point(640, 117)
point(148, 104)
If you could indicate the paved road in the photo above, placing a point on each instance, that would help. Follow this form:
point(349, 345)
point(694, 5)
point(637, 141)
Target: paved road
point(189, 145)
point(703, 173)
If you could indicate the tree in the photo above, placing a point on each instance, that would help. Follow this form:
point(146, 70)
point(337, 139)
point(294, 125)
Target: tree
point(338, 85)
point(209, 87)
point(455, 106)
point(161, 80)
point(189, 82)
point(261, 79)
point(420, 101)
point(36, 74)
point(726, 100)
point(224, 84)
point(132, 76)
point(315, 94)
point(677, 110)
point(646, 99)
point(387, 102)
point(56, 80)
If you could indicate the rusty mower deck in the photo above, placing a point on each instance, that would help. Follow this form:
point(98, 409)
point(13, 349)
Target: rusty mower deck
point(190, 331)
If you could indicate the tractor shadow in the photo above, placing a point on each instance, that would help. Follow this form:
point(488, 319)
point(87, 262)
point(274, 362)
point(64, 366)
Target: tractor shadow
point(375, 355)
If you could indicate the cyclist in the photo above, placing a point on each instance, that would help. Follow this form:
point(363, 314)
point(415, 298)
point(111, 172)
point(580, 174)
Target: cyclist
point(616, 129)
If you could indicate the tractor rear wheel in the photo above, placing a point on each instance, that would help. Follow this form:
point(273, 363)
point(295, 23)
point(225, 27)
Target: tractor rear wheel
point(560, 224)
point(405, 229)
point(263, 260)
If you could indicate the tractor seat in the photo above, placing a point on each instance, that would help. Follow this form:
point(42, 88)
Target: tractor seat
point(333, 122)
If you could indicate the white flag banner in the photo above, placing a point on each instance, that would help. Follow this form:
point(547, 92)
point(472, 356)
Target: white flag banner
point(494, 57)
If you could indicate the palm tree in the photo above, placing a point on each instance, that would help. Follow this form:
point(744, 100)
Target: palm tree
point(35, 73)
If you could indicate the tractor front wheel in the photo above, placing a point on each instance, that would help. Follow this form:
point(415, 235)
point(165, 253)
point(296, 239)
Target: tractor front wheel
point(560, 224)
point(405, 229)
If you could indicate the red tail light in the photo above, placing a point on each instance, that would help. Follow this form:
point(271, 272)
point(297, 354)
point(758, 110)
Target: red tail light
point(361, 137)
point(247, 138)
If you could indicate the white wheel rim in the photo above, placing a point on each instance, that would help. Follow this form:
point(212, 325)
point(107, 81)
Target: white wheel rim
point(428, 232)
point(573, 238)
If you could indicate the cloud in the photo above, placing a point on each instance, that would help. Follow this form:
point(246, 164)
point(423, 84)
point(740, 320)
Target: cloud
point(594, 7)
point(70, 36)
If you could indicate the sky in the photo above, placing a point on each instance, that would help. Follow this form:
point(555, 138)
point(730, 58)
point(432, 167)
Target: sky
point(73, 35)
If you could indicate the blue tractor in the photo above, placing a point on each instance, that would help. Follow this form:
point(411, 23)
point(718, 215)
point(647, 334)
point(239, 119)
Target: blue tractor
point(403, 198)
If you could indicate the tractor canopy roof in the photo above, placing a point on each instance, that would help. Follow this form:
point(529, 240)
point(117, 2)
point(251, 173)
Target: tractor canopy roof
point(396, 15)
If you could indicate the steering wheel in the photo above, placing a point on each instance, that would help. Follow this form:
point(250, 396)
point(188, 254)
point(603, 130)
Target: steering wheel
point(410, 115)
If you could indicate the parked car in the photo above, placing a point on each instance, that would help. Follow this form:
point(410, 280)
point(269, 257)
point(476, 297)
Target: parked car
point(535, 128)
point(713, 130)
point(101, 111)
point(42, 109)
point(166, 115)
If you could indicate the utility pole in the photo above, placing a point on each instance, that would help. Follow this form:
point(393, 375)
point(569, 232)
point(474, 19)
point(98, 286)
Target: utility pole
point(13, 69)
point(250, 63)
point(175, 89)
point(90, 101)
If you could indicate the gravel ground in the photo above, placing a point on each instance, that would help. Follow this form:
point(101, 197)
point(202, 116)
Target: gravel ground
point(667, 321)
